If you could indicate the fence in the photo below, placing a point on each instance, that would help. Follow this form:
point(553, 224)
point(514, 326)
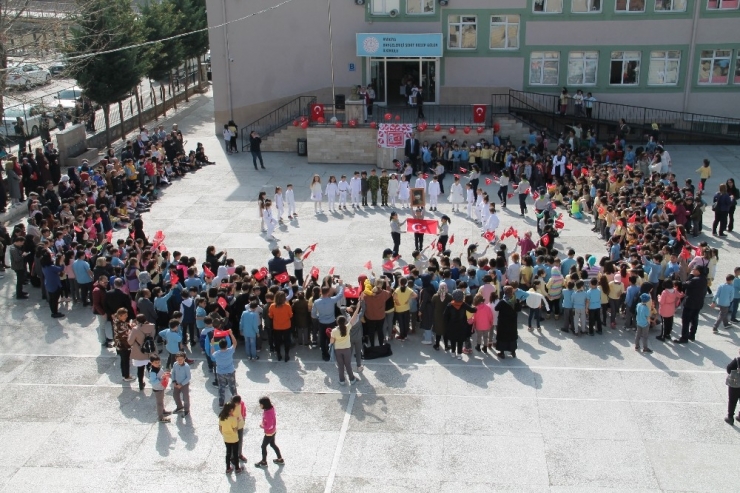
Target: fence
point(153, 101)
point(542, 110)
point(295, 108)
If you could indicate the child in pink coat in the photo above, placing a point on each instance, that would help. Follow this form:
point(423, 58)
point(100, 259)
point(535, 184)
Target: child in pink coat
point(482, 323)
point(668, 301)
point(269, 426)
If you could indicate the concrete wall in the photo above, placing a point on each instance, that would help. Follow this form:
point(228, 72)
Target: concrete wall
point(342, 145)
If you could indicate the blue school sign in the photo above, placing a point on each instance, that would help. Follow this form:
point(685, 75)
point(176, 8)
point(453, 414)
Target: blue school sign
point(399, 45)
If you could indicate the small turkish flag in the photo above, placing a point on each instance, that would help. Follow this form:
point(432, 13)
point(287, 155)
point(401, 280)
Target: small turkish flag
point(535, 195)
point(452, 239)
point(569, 166)
point(632, 218)
point(479, 113)
point(488, 181)
point(510, 195)
point(560, 217)
point(434, 244)
point(351, 293)
point(315, 272)
point(222, 303)
point(388, 266)
point(457, 177)
point(174, 279)
point(465, 241)
point(159, 235)
point(559, 224)
point(331, 271)
point(425, 176)
point(369, 265)
point(406, 270)
point(489, 235)
point(463, 170)
point(282, 278)
point(439, 247)
point(678, 234)
point(132, 234)
point(545, 240)
point(308, 251)
point(514, 186)
point(685, 254)
point(261, 274)
point(208, 272)
point(109, 236)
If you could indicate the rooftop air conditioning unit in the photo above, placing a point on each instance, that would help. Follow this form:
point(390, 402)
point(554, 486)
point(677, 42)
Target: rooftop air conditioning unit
point(359, 2)
point(444, 3)
point(393, 13)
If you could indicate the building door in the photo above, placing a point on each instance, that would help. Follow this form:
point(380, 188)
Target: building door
point(390, 76)
point(377, 79)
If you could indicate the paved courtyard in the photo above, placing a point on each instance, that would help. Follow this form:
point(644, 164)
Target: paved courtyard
point(568, 415)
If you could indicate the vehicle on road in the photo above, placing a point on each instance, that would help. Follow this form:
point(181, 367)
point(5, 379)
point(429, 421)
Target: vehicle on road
point(31, 116)
point(27, 75)
point(58, 68)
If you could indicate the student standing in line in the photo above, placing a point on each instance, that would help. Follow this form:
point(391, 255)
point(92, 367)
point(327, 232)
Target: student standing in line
point(181, 384)
point(240, 412)
point(340, 337)
point(158, 379)
point(269, 425)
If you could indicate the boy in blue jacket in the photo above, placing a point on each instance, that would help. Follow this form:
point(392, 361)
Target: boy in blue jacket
point(249, 327)
point(172, 341)
point(643, 323)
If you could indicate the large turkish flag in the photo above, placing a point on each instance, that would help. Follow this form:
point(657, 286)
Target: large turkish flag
point(479, 113)
point(317, 111)
point(424, 226)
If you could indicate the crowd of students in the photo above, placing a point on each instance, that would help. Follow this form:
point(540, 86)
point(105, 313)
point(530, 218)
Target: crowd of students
point(146, 295)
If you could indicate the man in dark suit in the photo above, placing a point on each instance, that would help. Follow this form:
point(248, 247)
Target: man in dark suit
point(412, 150)
point(116, 298)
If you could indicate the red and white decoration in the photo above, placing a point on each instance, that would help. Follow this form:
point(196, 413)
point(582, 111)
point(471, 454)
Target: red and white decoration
point(394, 135)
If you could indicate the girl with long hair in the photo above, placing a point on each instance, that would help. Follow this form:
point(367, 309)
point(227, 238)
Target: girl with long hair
point(342, 350)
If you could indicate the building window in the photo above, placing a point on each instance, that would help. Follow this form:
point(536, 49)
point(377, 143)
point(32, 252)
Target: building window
point(384, 7)
point(504, 32)
point(463, 32)
point(663, 69)
point(625, 68)
point(416, 7)
point(630, 6)
point(582, 68)
point(548, 6)
point(586, 6)
point(544, 67)
point(670, 5)
point(722, 4)
point(714, 66)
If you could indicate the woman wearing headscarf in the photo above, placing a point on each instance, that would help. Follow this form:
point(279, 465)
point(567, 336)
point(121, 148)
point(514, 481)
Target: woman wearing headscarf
point(507, 328)
point(456, 322)
point(733, 192)
point(439, 302)
point(426, 308)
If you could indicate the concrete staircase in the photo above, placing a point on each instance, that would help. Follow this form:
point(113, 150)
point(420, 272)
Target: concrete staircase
point(283, 140)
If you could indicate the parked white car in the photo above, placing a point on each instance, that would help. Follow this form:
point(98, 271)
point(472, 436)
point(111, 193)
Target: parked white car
point(31, 116)
point(27, 75)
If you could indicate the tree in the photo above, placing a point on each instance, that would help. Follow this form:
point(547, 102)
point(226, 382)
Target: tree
point(106, 78)
point(161, 20)
point(193, 19)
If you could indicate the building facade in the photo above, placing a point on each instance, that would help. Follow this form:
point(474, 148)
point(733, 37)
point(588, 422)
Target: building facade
point(680, 55)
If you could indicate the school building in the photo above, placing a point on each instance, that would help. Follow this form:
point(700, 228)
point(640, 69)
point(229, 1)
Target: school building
point(678, 55)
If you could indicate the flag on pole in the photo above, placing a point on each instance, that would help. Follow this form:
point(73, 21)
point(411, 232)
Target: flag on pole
point(369, 265)
point(452, 239)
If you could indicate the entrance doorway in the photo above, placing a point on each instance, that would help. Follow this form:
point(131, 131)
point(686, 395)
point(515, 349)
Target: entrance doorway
point(389, 77)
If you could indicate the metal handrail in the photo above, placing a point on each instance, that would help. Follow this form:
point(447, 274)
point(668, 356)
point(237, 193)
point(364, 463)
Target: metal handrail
point(683, 126)
point(278, 118)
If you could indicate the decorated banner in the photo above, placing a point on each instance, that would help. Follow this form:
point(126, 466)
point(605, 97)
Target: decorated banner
point(424, 226)
point(317, 111)
point(479, 113)
point(394, 135)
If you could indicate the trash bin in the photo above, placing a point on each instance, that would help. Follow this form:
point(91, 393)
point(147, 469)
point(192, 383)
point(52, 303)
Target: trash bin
point(302, 147)
point(339, 101)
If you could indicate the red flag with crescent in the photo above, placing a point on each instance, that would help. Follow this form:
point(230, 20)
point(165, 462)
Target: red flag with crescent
point(222, 303)
point(423, 226)
point(351, 293)
point(388, 266)
point(317, 111)
point(261, 274)
point(369, 265)
point(174, 279)
point(488, 181)
point(406, 270)
point(308, 251)
point(208, 272)
point(489, 235)
point(463, 170)
point(559, 224)
point(479, 113)
point(545, 240)
point(315, 272)
point(282, 278)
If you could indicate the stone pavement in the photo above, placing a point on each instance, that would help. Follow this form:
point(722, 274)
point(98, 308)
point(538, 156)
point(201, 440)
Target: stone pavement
point(568, 415)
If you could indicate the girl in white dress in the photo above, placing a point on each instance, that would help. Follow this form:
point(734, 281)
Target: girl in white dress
point(456, 195)
point(278, 201)
point(433, 190)
point(316, 193)
point(331, 192)
point(470, 199)
point(260, 209)
point(393, 189)
point(483, 211)
point(269, 218)
point(404, 192)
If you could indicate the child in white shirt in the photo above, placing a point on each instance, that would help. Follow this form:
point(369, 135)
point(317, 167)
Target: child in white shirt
point(290, 200)
point(433, 191)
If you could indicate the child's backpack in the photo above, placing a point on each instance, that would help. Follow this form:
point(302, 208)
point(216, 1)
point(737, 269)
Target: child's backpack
point(148, 346)
point(203, 339)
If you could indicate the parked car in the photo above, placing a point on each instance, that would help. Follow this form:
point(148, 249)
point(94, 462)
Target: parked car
point(27, 75)
point(58, 68)
point(31, 115)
